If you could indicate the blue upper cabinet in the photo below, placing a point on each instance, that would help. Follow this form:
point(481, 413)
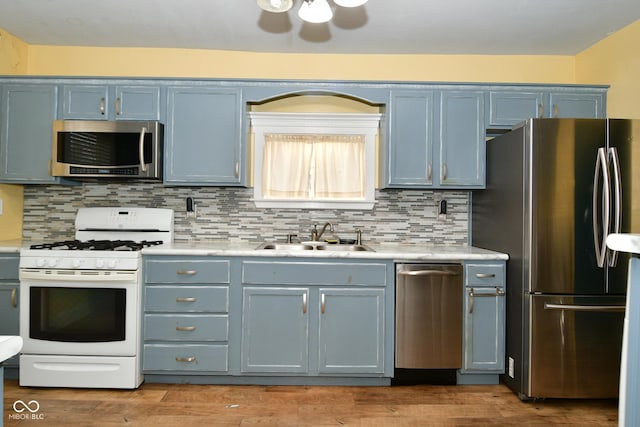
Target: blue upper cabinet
point(110, 102)
point(508, 107)
point(462, 139)
point(203, 139)
point(410, 147)
point(26, 128)
point(435, 149)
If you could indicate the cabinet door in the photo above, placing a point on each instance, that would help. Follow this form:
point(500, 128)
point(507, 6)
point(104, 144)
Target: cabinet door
point(410, 151)
point(85, 102)
point(577, 105)
point(10, 315)
point(137, 103)
point(26, 125)
point(462, 143)
point(507, 108)
point(484, 329)
point(351, 334)
point(275, 330)
point(203, 138)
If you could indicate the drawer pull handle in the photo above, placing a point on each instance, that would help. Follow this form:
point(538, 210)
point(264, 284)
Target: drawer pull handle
point(187, 272)
point(498, 293)
point(186, 359)
point(485, 275)
point(186, 299)
point(185, 328)
point(14, 302)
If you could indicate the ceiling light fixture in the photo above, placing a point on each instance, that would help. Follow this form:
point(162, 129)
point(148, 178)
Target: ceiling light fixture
point(275, 6)
point(314, 11)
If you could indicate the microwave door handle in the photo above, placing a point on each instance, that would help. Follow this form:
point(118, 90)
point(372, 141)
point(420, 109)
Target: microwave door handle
point(143, 166)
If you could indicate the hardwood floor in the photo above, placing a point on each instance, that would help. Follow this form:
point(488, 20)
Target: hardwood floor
point(209, 405)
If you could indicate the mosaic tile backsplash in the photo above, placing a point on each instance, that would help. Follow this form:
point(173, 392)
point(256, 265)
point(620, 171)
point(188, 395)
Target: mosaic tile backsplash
point(229, 214)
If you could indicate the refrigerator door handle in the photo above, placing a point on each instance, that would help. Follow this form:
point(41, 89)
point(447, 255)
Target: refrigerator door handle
point(599, 241)
point(614, 159)
point(577, 307)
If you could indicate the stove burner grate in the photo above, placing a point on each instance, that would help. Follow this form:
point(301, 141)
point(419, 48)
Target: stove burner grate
point(98, 245)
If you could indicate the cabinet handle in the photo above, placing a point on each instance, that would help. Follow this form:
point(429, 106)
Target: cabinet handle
point(186, 359)
point(187, 272)
point(555, 111)
point(14, 301)
point(322, 303)
point(117, 106)
point(540, 110)
point(429, 172)
point(102, 106)
point(485, 275)
point(304, 303)
point(498, 293)
point(185, 328)
point(237, 169)
point(444, 171)
point(186, 299)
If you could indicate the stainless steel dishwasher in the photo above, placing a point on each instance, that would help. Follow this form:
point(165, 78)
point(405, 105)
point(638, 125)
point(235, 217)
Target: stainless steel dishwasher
point(428, 316)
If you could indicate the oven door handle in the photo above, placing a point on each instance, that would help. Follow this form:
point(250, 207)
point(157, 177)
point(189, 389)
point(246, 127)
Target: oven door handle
point(57, 276)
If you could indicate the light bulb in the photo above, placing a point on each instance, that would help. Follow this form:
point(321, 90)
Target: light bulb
point(276, 6)
point(315, 11)
point(350, 3)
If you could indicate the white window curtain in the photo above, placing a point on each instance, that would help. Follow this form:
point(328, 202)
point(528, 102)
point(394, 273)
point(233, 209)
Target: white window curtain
point(316, 166)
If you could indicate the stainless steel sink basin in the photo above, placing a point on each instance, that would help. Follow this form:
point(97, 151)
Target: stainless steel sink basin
point(286, 246)
point(349, 248)
point(306, 247)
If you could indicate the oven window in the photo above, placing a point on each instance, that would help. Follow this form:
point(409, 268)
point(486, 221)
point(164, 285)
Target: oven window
point(77, 314)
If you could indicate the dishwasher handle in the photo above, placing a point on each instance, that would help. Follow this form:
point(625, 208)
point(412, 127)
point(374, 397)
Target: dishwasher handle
point(415, 273)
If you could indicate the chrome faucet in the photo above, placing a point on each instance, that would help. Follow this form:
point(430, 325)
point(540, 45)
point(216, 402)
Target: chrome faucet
point(315, 236)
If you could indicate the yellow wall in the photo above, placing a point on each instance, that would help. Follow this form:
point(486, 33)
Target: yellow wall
point(13, 61)
point(615, 61)
point(138, 62)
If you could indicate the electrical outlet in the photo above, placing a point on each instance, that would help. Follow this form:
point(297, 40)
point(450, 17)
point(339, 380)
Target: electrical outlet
point(511, 367)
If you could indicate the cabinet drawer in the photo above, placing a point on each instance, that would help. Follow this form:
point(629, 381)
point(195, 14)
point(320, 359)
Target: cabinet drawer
point(485, 274)
point(185, 357)
point(187, 298)
point(9, 268)
point(186, 327)
point(314, 273)
point(186, 271)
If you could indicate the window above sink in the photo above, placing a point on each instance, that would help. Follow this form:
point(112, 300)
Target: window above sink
point(315, 160)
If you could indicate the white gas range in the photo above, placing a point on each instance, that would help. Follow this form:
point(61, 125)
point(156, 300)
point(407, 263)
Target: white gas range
point(80, 307)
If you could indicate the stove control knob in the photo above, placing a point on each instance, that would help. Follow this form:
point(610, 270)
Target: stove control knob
point(76, 263)
point(52, 262)
point(41, 262)
point(99, 263)
point(112, 263)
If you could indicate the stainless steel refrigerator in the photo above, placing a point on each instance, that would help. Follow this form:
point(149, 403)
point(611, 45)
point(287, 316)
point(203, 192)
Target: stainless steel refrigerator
point(555, 189)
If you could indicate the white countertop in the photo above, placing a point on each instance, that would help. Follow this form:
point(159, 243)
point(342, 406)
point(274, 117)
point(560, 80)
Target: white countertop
point(10, 345)
point(624, 242)
point(397, 252)
point(10, 246)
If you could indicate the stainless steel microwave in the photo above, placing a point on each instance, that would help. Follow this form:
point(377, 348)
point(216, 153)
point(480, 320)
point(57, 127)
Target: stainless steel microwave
point(93, 149)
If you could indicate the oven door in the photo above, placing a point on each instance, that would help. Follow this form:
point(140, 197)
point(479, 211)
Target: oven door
point(71, 313)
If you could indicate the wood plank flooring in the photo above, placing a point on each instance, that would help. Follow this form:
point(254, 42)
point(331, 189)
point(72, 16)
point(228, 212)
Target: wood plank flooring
point(209, 405)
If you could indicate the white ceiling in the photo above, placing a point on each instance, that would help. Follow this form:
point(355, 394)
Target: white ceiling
point(540, 27)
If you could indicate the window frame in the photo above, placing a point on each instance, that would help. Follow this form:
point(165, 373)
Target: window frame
point(367, 124)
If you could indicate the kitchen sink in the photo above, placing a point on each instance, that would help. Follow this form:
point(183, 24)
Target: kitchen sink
point(308, 247)
point(350, 248)
point(286, 246)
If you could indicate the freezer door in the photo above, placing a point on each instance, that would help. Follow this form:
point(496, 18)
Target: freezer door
point(575, 346)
